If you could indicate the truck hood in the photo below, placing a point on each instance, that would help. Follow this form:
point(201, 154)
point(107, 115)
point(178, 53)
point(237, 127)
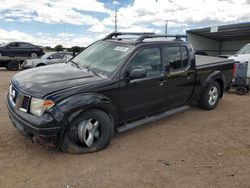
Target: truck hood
point(41, 81)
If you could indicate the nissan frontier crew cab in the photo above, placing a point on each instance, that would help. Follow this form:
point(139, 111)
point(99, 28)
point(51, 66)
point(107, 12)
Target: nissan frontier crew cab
point(115, 84)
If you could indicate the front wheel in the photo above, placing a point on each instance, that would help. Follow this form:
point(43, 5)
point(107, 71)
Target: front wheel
point(210, 97)
point(89, 132)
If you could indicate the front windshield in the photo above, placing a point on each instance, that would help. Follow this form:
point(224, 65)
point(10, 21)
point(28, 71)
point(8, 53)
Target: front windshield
point(244, 50)
point(103, 57)
point(46, 55)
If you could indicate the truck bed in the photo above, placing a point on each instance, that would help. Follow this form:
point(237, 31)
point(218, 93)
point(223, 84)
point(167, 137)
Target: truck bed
point(207, 61)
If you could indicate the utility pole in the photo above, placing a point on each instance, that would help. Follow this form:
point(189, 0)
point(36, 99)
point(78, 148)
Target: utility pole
point(166, 27)
point(115, 20)
point(64, 34)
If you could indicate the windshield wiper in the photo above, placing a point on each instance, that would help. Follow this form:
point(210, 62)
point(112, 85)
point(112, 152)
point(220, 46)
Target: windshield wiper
point(91, 70)
point(78, 66)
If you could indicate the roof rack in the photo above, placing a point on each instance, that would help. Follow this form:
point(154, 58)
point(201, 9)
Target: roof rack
point(115, 34)
point(177, 37)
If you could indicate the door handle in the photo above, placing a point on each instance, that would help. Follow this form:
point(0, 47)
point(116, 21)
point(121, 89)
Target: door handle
point(162, 82)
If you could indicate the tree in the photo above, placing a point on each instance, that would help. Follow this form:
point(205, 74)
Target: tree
point(76, 49)
point(48, 48)
point(58, 48)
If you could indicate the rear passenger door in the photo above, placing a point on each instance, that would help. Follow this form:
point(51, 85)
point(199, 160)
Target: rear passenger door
point(179, 73)
point(25, 49)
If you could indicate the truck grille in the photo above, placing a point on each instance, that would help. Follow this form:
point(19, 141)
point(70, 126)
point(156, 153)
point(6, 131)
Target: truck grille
point(19, 100)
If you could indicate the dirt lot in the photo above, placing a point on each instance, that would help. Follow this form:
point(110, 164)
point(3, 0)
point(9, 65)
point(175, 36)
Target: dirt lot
point(192, 149)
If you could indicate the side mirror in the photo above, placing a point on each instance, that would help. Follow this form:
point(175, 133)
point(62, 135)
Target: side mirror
point(138, 73)
point(7, 47)
point(167, 67)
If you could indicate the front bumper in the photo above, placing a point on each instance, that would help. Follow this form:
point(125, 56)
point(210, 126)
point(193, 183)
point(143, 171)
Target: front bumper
point(44, 130)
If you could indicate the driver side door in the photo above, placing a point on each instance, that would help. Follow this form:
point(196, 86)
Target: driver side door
point(13, 49)
point(143, 96)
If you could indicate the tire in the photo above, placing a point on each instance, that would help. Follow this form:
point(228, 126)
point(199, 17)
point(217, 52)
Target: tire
point(39, 65)
point(33, 55)
point(13, 65)
point(210, 97)
point(241, 90)
point(76, 137)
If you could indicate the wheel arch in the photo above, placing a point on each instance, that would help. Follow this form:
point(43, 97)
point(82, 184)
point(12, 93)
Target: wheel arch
point(86, 102)
point(218, 77)
point(77, 104)
point(221, 83)
point(40, 64)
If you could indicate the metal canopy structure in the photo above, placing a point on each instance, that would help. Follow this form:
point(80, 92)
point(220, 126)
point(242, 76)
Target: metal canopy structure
point(220, 40)
point(239, 31)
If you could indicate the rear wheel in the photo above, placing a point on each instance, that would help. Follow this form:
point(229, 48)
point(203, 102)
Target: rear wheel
point(210, 97)
point(33, 54)
point(13, 65)
point(89, 132)
point(241, 90)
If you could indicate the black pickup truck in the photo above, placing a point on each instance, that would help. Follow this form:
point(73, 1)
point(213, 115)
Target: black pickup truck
point(115, 84)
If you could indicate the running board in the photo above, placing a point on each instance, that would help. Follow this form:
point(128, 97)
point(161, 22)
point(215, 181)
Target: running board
point(151, 119)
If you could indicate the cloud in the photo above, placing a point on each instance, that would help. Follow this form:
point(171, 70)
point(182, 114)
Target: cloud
point(99, 28)
point(181, 13)
point(46, 39)
point(57, 11)
point(138, 16)
point(139, 29)
point(115, 3)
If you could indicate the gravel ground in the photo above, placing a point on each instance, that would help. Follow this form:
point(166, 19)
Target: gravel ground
point(196, 148)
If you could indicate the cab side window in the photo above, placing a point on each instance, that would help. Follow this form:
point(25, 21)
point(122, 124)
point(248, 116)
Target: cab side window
point(14, 45)
point(148, 59)
point(184, 56)
point(176, 57)
point(25, 45)
point(173, 55)
point(56, 56)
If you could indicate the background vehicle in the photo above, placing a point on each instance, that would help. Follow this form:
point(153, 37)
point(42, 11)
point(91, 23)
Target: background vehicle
point(20, 49)
point(114, 84)
point(48, 59)
point(243, 55)
point(11, 63)
point(241, 81)
point(200, 52)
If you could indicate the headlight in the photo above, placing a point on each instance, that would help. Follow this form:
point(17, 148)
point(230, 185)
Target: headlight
point(37, 106)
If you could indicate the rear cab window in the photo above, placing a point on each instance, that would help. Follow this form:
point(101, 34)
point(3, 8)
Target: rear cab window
point(176, 58)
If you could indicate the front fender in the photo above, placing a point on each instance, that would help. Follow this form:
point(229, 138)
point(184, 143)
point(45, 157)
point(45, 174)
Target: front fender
point(76, 104)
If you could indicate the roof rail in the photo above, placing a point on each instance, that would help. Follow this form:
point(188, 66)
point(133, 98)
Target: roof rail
point(115, 34)
point(177, 37)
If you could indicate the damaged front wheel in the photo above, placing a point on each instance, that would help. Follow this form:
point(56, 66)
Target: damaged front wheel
point(90, 131)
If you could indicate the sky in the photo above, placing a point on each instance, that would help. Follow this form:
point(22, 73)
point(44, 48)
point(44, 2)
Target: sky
point(81, 22)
